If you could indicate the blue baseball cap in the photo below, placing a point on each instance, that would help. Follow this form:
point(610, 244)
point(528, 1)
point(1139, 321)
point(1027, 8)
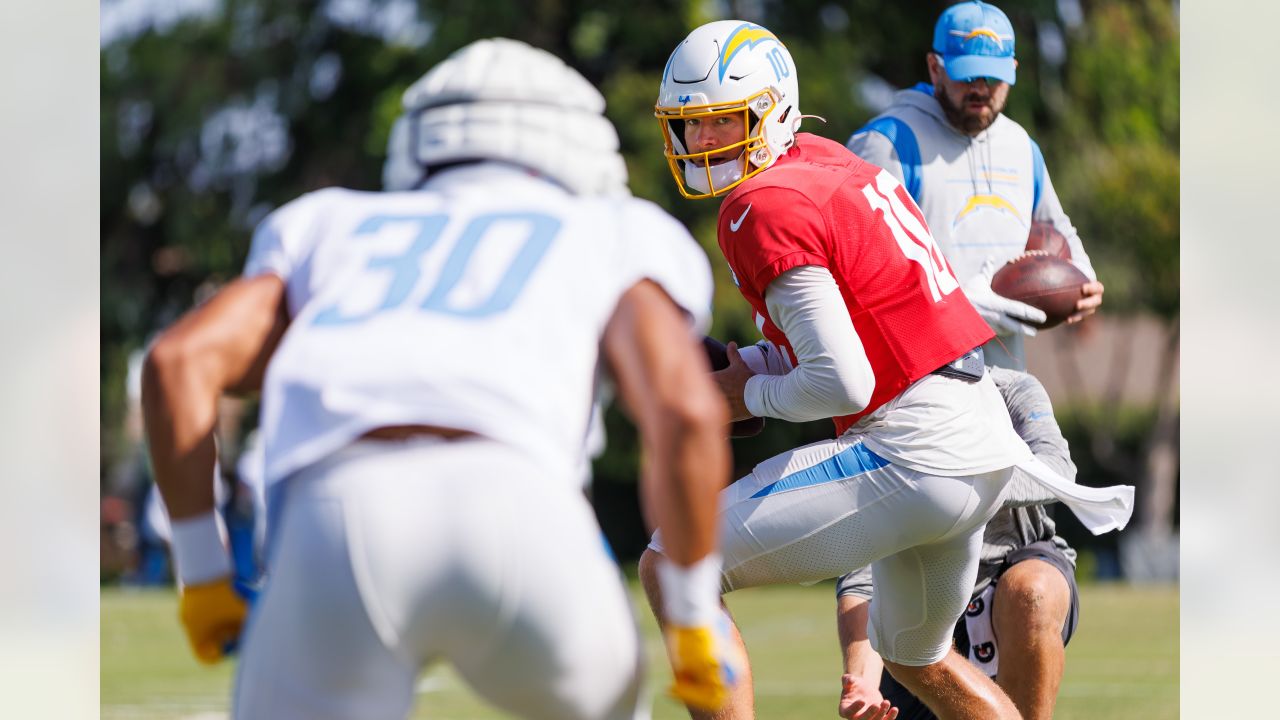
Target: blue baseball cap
point(975, 40)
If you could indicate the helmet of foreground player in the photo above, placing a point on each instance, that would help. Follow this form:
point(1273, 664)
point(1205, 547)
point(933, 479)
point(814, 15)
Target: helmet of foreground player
point(724, 68)
point(501, 99)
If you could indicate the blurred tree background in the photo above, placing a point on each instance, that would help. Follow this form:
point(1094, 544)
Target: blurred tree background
point(214, 112)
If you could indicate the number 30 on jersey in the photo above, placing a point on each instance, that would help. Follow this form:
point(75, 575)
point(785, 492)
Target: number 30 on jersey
point(404, 277)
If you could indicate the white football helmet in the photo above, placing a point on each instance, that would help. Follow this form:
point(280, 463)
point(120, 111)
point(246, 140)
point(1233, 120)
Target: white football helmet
point(722, 68)
point(501, 99)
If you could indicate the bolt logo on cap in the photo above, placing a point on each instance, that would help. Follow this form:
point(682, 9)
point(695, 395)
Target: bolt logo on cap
point(975, 39)
point(982, 32)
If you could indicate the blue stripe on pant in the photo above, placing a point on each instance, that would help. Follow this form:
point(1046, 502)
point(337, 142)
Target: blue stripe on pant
point(849, 463)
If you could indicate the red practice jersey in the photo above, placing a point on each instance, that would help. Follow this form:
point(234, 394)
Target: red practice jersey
point(822, 205)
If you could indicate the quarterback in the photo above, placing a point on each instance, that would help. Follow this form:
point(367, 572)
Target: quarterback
point(853, 295)
point(430, 361)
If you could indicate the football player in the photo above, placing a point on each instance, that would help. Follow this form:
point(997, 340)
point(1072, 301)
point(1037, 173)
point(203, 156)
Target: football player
point(846, 283)
point(429, 360)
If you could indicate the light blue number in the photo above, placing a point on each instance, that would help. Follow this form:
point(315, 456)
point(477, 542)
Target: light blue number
point(406, 267)
point(779, 62)
point(542, 228)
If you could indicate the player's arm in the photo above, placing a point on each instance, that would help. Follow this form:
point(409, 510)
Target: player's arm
point(663, 379)
point(1032, 414)
point(833, 376)
point(860, 696)
point(1033, 420)
point(221, 346)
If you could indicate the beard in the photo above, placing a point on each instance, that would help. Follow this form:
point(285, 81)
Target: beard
point(968, 121)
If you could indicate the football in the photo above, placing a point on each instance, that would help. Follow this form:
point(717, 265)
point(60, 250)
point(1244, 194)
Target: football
point(718, 355)
point(1041, 280)
point(1044, 236)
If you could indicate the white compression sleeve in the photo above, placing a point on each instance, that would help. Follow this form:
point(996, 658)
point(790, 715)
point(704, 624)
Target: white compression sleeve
point(834, 376)
point(765, 358)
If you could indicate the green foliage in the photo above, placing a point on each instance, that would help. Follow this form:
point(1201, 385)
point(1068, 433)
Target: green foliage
point(1128, 215)
point(1117, 168)
point(1123, 74)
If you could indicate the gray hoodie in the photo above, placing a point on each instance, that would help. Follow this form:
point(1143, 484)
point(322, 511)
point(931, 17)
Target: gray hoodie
point(979, 195)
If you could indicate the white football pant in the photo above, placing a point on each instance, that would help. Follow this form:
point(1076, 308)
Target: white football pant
point(391, 555)
point(822, 510)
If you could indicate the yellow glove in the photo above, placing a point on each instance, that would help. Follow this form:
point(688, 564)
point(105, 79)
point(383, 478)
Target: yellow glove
point(212, 613)
point(706, 665)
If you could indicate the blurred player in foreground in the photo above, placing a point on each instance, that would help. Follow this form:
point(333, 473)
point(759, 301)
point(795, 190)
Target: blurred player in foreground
point(858, 305)
point(429, 359)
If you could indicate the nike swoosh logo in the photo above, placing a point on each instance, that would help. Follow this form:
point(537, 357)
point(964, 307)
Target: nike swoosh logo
point(735, 224)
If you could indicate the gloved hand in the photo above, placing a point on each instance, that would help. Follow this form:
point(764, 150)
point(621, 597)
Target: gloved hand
point(706, 664)
point(213, 614)
point(1005, 316)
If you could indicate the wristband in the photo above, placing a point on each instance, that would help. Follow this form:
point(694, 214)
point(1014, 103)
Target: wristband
point(199, 549)
point(691, 595)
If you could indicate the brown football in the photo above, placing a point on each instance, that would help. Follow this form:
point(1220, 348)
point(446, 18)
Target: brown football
point(1044, 236)
point(1044, 281)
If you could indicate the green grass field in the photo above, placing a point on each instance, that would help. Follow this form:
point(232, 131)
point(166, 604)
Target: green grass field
point(1122, 663)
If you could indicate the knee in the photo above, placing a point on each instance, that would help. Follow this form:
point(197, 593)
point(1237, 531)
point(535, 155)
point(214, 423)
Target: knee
point(1032, 596)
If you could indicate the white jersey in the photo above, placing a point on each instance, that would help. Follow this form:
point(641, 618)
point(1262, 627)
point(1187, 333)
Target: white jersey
point(476, 302)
